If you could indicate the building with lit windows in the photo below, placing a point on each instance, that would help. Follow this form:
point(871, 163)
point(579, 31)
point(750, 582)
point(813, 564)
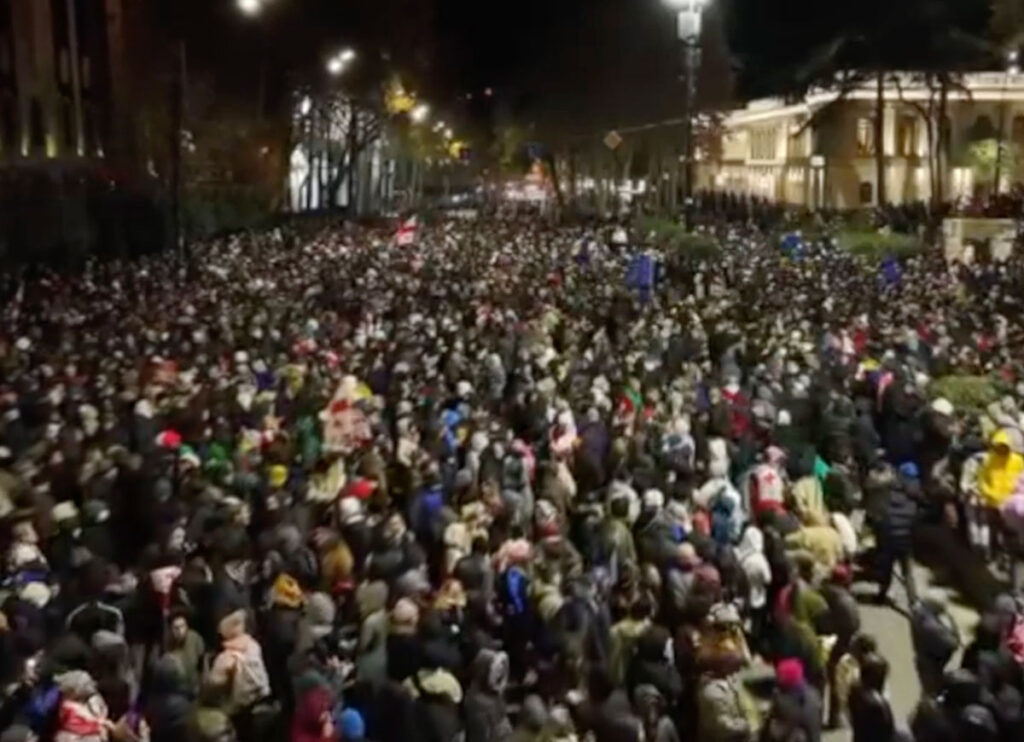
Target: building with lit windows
point(57, 59)
point(770, 150)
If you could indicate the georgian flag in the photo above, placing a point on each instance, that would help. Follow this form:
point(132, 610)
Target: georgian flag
point(406, 234)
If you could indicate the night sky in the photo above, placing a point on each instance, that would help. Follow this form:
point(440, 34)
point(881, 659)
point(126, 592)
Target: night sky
point(576, 58)
point(593, 64)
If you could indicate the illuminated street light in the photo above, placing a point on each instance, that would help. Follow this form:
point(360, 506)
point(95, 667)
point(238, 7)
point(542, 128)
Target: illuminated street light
point(689, 17)
point(250, 7)
point(448, 133)
point(1013, 62)
point(419, 113)
point(340, 61)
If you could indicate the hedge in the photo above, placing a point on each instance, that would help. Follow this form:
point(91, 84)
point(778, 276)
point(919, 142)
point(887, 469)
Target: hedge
point(673, 239)
point(972, 394)
point(880, 245)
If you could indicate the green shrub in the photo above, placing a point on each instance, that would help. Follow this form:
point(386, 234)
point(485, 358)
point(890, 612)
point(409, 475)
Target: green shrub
point(877, 246)
point(967, 393)
point(673, 239)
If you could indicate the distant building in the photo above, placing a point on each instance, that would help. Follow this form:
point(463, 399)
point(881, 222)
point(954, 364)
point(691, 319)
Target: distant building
point(769, 150)
point(57, 63)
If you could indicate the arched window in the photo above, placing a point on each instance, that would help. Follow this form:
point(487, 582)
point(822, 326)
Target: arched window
point(867, 193)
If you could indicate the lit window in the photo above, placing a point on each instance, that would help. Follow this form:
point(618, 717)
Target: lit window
point(865, 137)
point(908, 136)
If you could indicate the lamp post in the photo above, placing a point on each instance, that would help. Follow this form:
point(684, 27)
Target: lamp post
point(689, 16)
point(1012, 69)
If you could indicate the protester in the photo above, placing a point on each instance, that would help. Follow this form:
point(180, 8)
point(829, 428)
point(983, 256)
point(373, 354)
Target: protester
point(329, 488)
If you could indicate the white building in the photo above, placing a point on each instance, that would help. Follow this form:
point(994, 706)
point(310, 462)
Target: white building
point(769, 150)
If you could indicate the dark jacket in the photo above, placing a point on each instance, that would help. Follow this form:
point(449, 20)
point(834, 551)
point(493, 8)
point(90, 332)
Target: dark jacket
point(897, 527)
point(280, 633)
point(934, 635)
point(650, 667)
point(843, 612)
point(168, 710)
point(796, 709)
point(870, 716)
point(484, 708)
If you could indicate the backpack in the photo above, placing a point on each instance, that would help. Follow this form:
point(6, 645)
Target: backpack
point(513, 588)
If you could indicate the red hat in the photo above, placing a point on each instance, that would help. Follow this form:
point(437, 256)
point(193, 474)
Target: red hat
point(360, 488)
point(789, 673)
point(169, 439)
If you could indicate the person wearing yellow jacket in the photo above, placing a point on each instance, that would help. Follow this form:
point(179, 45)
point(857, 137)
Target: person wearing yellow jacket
point(999, 471)
point(997, 477)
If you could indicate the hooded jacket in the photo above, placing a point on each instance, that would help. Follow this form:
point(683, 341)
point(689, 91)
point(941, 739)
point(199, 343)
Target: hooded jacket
point(755, 566)
point(999, 472)
point(168, 710)
point(484, 709)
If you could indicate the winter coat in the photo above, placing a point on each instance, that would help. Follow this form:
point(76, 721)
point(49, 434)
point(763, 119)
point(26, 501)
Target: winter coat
point(650, 667)
point(793, 710)
point(897, 527)
point(189, 654)
point(308, 721)
point(372, 660)
point(618, 541)
point(870, 716)
point(808, 501)
point(843, 612)
point(934, 635)
point(484, 708)
point(240, 667)
point(756, 570)
point(999, 472)
point(624, 637)
point(724, 711)
point(822, 542)
point(404, 654)
point(656, 537)
point(168, 707)
point(280, 634)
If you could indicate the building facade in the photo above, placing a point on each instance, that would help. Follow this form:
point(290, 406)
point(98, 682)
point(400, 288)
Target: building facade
point(772, 149)
point(57, 64)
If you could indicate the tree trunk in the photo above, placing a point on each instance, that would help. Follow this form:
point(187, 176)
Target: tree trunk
point(353, 122)
point(880, 189)
point(572, 179)
point(943, 148)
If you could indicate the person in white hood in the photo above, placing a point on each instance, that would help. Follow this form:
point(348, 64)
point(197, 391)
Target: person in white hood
point(753, 562)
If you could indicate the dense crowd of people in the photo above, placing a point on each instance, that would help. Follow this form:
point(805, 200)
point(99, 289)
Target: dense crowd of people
point(484, 488)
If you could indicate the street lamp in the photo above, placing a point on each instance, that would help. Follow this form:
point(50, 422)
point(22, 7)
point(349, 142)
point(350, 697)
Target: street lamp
point(689, 15)
point(250, 7)
point(419, 113)
point(340, 61)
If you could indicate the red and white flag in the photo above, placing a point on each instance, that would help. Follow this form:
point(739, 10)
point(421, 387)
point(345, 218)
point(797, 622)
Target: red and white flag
point(406, 234)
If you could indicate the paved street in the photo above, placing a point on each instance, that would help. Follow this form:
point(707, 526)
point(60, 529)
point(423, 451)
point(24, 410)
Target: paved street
point(892, 630)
